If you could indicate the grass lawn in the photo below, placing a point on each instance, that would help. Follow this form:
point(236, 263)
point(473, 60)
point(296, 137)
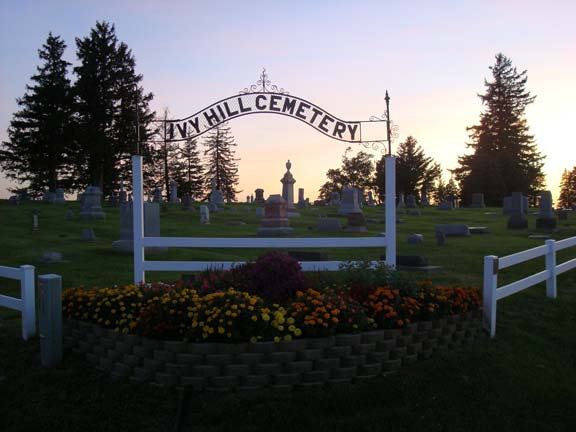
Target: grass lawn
point(524, 379)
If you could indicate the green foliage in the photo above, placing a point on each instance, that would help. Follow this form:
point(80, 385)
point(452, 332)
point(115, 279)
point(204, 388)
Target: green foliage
point(108, 94)
point(39, 136)
point(356, 171)
point(220, 164)
point(567, 198)
point(414, 170)
point(505, 158)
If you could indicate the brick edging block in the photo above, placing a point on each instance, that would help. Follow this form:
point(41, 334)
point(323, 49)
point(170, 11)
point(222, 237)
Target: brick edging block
point(300, 363)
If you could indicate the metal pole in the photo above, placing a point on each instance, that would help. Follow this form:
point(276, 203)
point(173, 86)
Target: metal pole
point(387, 99)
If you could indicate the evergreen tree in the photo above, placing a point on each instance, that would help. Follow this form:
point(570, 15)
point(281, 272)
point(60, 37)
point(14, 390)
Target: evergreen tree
point(567, 198)
point(505, 157)
point(108, 93)
point(39, 135)
point(356, 171)
point(188, 170)
point(414, 170)
point(220, 164)
point(445, 191)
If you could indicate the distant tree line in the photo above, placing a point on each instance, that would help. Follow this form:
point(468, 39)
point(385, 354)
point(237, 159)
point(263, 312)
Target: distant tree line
point(72, 135)
point(504, 156)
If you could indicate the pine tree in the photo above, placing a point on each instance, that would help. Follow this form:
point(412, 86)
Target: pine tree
point(220, 164)
point(188, 170)
point(567, 198)
point(414, 170)
point(108, 93)
point(356, 171)
point(505, 157)
point(39, 135)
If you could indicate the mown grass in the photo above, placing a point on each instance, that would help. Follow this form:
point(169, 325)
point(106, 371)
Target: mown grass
point(524, 379)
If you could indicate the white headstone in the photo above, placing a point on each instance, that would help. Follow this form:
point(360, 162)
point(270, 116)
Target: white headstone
point(204, 214)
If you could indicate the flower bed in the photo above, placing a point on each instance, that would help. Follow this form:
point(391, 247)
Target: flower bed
point(227, 330)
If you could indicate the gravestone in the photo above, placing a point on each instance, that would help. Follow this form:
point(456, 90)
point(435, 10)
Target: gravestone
point(91, 206)
point(49, 197)
point(360, 195)
point(260, 211)
point(69, 214)
point(88, 234)
point(445, 205)
point(415, 239)
point(477, 200)
point(151, 227)
point(334, 199)
point(173, 192)
point(301, 200)
point(517, 219)
point(247, 199)
point(546, 217)
point(288, 187)
point(411, 202)
point(440, 238)
point(453, 230)
point(52, 256)
point(251, 199)
point(204, 215)
point(349, 202)
point(371, 201)
point(275, 221)
point(356, 222)
point(328, 225)
point(158, 196)
point(424, 202)
point(187, 202)
point(59, 196)
point(14, 200)
point(259, 198)
point(563, 215)
point(401, 204)
point(122, 195)
point(216, 202)
point(35, 224)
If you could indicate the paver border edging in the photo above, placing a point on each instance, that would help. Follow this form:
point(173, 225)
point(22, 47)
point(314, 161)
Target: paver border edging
point(304, 363)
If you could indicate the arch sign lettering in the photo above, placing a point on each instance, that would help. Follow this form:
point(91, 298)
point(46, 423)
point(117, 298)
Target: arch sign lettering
point(264, 97)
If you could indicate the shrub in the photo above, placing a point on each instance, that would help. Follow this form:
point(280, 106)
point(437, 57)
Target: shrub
point(274, 276)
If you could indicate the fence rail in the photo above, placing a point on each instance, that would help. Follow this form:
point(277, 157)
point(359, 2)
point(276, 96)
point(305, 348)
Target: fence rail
point(26, 303)
point(387, 241)
point(493, 264)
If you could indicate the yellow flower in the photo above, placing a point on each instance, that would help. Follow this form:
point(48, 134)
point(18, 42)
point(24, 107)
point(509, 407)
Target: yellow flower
point(276, 339)
point(254, 318)
point(288, 338)
point(221, 330)
point(253, 339)
point(265, 317)
point(297, 332)
point(290, 320)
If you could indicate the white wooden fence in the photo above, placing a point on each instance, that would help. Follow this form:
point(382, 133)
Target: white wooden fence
point(25, 304)
point(492, 264)
point(140, 242)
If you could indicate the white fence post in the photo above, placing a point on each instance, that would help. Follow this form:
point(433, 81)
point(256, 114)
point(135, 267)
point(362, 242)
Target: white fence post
point(489, 293)
point(390, 203)
point(28, 301)
point(551, 269)
point(138, 219)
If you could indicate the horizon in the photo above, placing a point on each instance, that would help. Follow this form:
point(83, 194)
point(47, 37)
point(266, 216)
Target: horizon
point(433, 70)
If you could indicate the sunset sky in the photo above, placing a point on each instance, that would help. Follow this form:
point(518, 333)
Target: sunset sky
point(432, 57)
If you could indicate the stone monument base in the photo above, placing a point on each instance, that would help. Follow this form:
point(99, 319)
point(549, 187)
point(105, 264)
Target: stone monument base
point(546, 223)
point(272, 232)
point(93, 215)
point(517, 222)
point(127, 246)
